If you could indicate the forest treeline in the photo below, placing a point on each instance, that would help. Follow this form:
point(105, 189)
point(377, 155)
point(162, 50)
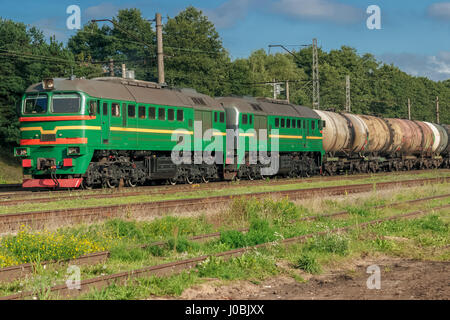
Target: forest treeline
point(196, 58)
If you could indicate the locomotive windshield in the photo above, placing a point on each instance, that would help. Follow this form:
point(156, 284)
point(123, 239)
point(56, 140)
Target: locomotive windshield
point(65, 103)
point(35, 104)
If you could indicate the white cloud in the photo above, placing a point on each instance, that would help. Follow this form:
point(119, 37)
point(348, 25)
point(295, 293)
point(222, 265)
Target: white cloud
point(103, 10)
point(440, 10)
point(49, 28)
point(328, 10)
point(436, 67)
point(229, 13)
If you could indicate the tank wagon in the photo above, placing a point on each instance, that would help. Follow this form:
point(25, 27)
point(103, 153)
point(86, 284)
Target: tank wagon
point(106, 131)
point(103, 131)
point(362, 143)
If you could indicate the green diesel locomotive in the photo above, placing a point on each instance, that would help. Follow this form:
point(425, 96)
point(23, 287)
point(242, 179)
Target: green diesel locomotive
point(100, 132)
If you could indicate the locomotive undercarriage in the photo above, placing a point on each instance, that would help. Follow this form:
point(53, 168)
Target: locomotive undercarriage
point(111, 169)
point(373, 163)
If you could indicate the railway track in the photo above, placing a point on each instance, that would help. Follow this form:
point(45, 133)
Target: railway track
point(15, 272)
point(152, 191)
point(9, 198)
point(10, 222)
point(187, 264)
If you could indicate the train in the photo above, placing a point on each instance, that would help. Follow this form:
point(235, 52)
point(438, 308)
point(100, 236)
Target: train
point(108, 132)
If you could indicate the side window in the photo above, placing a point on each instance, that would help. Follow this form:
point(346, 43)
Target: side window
point(288, 123)
point(115, 110)
point(277, 122)
point(131, 111)
point(161, 114)
point(93, 107)
point(324, 124)
point(170, 114)
point(141, 112)
point(304, 124)
point(283, 123)
point(180, 115)
point(215, 116)
point(251, 119)
point(152, 113)
point(293, 123)
point(313, 124)
point(222, 117)
point(105, 108)
point(299, 124)
point(244, 119)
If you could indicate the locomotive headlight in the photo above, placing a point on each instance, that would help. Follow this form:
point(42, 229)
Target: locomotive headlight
point(48, 84)
point(73, 151)
point(21, 152)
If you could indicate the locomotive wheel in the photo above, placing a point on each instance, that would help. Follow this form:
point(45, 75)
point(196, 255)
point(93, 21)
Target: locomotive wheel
point(188, 179)
point(130, 183)
point(85, 185)
point(111, 184)
point(205, 179)
point(172, 181)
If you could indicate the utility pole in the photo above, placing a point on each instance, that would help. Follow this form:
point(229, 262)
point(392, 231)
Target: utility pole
point(409, 109)
point(124, 71)
point(111, 67)
point(161, 79)
point(287, 91)
point(274, 89)
point(347, 94)
point(437, 110)
point(315, 71)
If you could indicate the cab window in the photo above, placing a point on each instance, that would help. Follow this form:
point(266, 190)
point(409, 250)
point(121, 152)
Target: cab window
point(66, 103)
point(35, 104)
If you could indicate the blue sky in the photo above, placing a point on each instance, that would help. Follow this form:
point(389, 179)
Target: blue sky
point(414, 35)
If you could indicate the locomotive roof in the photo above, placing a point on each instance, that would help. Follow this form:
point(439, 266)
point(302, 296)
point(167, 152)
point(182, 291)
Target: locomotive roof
point(268, 107)
point(133, 90)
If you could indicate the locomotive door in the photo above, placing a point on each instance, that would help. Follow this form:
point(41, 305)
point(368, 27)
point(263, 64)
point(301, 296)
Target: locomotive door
point(261, 124)
point(105, 119)
point(206, 119)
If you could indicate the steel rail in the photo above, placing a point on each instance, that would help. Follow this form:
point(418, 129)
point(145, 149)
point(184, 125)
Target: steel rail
point(11, 222)
point(15, 272)
point(187, 264)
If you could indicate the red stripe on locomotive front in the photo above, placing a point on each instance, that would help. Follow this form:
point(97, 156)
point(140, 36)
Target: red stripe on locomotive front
point(56, 118)
point(28, 142)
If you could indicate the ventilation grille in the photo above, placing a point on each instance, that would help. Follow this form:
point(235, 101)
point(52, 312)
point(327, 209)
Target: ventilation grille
point(199, 101)
point(48, 137)
point(256, 107)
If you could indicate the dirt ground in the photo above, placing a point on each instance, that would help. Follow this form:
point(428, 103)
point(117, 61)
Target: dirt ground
point(400, 279)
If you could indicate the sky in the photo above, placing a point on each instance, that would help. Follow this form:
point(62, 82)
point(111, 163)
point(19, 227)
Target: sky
point(414, 35)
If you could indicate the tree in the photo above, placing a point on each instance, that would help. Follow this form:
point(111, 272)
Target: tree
point(130, 40)
point(196, 56)
point(25, 58)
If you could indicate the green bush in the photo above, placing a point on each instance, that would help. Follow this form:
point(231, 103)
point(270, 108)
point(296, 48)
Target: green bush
point(308, 263)
point(331, 243)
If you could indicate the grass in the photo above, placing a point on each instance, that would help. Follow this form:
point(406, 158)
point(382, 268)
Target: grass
point(10, 169)
point(235, 190)
point(268, 221)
